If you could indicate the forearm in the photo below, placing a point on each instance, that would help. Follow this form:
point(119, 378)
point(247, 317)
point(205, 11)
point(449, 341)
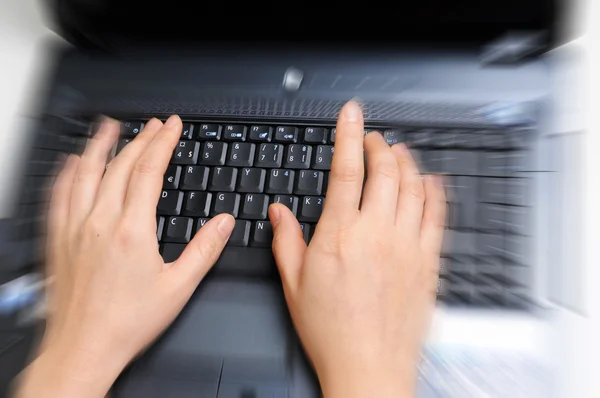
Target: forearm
point(67, 373)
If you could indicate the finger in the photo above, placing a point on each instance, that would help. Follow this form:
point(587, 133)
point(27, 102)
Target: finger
point(204, 250)
point(60, 204)
point(412, 194)
point(380, 194)
point(116, 178)
point(288, 244)
point(347, 169)
point(146, 180)
point(90, 171)
point(434, 216)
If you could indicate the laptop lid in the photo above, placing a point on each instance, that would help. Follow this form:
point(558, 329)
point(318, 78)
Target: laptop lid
point(117, 24)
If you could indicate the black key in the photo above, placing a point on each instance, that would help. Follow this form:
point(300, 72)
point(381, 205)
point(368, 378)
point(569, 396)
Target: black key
point(201, 221)
point(224, 202)
point(122, 144)
point(309, 182)
point(171, 251)
point(209, 132)
point(323, 157)
point(241, 154)
point(262, 235)
point(160, 223)
point(170, 203)
point(187, 132)
point(131, 129)
point(297, 156)
point(286, 134)
point(393, 136)
point(223, 179)
point(306, 232)
point(325, 182)
point(315, 135)
point(241, 234)
point(179, 230)
point(332, 136)
point(197, 204)
point(290, 201)
point(195, 178)
point(247, 261)
point(213, 153)
point(261, 133)
point(269, 156)
point(311, 209)
point(281, 181)
point(186, 153)
point(255, 206)
point(235, 132)
point(172, 176)
point(252, 180)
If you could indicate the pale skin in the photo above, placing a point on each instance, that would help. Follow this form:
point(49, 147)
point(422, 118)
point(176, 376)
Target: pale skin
point(361, 294)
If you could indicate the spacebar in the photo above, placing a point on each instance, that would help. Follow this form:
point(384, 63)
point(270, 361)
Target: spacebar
point(251, 261)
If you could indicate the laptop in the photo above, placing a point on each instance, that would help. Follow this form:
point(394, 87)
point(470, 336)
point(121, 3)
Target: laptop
point(470, 89)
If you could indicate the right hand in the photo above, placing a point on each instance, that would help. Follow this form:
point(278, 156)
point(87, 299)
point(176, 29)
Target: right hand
point(362, 293)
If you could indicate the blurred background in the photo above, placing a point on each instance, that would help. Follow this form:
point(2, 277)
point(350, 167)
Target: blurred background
point(510, 126)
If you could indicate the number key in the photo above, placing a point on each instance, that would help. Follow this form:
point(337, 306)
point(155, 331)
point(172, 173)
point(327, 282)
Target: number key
point(213, 153)
point(186, 153)
point(269, 156)
point(297, 156)
point(323, 157)
point(241, 154)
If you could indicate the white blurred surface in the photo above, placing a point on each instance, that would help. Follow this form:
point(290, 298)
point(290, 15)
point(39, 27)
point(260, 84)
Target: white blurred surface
point(23, 33)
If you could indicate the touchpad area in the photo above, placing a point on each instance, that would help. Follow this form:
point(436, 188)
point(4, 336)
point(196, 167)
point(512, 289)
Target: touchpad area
point(232, 332)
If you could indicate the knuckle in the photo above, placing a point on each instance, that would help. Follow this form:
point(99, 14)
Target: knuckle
point(346, 171)
point(93, 227)
point(124, 234)
point(387, 167)
point(145, 166)
point(414, 187)
point(207, 250)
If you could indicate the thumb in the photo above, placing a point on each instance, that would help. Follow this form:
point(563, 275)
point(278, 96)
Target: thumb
point(204, 249)
point(288, 243)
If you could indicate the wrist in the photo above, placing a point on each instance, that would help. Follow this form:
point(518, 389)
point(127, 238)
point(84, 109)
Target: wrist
point(69, 371)
point(378, 382)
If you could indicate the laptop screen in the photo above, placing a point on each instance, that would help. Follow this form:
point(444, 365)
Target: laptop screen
point(437, 22)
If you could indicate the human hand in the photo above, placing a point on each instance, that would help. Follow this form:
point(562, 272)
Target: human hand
point(113, 294)
point(362, 293)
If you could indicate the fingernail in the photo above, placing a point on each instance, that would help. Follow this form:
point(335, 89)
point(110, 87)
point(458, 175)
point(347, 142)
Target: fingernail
point(275, 215)
point(226, 225)
point(152, 122)
point(172, 121)
point(351, 112)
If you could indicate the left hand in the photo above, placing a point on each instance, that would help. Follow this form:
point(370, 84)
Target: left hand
point(113, 294)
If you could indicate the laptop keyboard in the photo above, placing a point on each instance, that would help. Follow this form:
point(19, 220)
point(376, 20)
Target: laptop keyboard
point(241, 168)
